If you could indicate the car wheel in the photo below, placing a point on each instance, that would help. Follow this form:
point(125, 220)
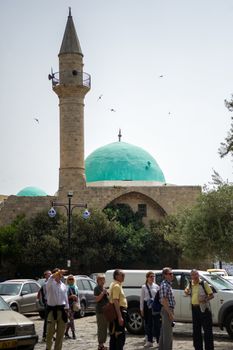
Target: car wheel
point(82, 310)
point(134, 323)
point(14, 307)
point(229, 324)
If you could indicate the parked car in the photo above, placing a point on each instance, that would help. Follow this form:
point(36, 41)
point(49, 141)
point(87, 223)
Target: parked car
point(16, 330)
point(41, 281)
point(228, 278)
point(86, 287)
point(20, 294)
point(221, 305)
point(220, 272)
point(94, 275)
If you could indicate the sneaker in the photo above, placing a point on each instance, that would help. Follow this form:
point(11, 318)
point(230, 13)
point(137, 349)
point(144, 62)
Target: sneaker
point(148, 345)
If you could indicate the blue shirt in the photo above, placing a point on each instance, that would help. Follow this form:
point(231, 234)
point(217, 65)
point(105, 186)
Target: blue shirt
point(167, 292)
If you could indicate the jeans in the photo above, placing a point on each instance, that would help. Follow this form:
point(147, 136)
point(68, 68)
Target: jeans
point(152, 324)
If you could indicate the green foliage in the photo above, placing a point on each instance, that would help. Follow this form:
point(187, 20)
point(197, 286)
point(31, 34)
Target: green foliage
point(32, 244)
point(100, 242)
point(124, 214)
point(206, 231)
point(166, 250)
point(103, 241)
point(227, 146)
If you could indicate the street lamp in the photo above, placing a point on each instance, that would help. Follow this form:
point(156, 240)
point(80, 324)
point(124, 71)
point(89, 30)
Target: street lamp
point(69, 209)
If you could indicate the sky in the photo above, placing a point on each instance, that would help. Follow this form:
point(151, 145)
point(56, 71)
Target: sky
point(164, 66)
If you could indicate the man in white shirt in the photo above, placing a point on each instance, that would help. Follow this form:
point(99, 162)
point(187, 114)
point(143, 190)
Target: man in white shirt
point(57, 306)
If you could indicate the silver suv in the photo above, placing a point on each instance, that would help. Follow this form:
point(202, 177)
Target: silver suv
point(20, 294)
point(221, 305)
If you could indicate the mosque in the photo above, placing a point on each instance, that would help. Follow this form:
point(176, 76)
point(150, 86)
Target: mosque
point(116, 173)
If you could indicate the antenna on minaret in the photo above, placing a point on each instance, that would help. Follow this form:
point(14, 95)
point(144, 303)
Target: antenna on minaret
point(70, 12)
point(119, 135)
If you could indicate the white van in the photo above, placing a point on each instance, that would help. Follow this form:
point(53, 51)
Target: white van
point(221, 305)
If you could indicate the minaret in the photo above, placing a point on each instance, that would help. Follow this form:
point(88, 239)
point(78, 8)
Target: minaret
point(71, 88)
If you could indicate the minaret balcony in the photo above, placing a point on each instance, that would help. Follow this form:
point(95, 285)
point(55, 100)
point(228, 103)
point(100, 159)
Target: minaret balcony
point(74, 77)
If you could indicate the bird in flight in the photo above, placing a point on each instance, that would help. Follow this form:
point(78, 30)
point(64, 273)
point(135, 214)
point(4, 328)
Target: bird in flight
point(99, 98)
point(169, 113)
point(161, 76)
point(112, 110)
point(37, 120)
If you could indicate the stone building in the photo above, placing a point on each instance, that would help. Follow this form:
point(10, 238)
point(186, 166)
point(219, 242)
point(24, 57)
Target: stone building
point(115, 173)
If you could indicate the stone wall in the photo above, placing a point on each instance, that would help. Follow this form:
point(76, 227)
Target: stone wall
point(30, 206)
point(160, 200)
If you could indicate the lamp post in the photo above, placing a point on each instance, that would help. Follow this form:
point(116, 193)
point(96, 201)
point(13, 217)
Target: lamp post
point(69, 209)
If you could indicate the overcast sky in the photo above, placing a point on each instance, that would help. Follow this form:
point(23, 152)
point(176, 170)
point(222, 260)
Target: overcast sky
point(179, 118)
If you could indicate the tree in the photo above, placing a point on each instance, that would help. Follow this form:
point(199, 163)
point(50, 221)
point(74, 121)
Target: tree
point(29, 246)
point(227, 146)
point(123, 213)
point(206, 230)
point(166, 250)
point(100, 243)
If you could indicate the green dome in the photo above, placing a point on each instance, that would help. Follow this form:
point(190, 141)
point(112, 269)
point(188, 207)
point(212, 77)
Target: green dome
point(122, 161)
point(31, 192)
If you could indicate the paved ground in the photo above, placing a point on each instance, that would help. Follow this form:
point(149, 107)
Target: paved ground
point(87, 339)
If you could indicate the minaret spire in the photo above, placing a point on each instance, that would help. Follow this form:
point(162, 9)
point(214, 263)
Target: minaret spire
point(70, 42)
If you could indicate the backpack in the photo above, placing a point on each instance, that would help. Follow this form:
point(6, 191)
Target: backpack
point(156, 306)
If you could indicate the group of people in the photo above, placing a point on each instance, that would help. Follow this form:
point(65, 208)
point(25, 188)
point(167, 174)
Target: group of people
point(161, 325)
point(60, 298)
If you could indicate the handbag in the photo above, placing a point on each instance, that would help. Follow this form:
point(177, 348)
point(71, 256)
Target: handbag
point(109, 312)
point(76, 306)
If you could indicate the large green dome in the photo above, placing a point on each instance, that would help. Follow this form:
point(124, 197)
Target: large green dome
point(31, 192)
point(122, 161)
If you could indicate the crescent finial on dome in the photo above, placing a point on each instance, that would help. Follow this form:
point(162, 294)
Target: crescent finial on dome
point(119, 135)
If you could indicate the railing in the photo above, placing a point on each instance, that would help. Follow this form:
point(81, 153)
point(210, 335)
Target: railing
point(74, 77)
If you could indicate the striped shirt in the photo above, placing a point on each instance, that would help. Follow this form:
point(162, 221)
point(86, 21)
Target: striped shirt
point(167, 292)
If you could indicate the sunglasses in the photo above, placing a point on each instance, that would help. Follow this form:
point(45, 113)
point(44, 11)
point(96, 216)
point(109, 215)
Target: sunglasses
point(169, 273)
point(151, 276)
point(70, 279)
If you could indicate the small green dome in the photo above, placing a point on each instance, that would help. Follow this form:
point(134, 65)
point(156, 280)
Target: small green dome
point(31, 192)
point(122, 161)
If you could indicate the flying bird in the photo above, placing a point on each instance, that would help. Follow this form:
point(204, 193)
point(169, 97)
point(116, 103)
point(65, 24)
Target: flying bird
point(161, 76)
point(112, 110)
point(37, 120)
point(99, 98)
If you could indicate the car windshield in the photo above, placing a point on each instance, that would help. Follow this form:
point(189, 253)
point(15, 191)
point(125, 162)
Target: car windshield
point(218, 282)
point(4, 305)
point(10, 288)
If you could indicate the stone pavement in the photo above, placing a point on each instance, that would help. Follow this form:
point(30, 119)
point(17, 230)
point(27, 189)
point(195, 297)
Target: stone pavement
point(87, 338)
